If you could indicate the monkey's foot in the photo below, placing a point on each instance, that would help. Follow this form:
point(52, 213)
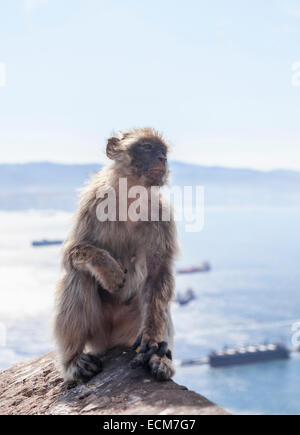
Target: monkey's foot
point(161, 367)
point(85, 367)
point(156, 356)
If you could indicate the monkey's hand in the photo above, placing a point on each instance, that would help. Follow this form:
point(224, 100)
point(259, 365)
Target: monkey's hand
point(107, 271)
point(156, 355)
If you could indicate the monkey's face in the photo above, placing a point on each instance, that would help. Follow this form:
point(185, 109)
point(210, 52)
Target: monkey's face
point(141, 153)
point(149, 159)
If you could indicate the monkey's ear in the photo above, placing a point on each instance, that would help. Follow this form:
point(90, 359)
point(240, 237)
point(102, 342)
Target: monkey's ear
point(113, 148)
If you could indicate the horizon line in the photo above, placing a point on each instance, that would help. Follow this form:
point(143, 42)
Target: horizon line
point(217, 166)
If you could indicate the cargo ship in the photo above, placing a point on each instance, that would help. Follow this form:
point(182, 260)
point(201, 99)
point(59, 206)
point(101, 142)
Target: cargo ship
point(39, 243)
point(243, 356)
point(205, 267)
point(249, 355)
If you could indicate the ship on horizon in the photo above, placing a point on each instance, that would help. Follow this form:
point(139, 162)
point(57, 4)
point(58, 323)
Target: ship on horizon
point(242, 356)
point(204, 267)
point(39, 243)
point(186, 298)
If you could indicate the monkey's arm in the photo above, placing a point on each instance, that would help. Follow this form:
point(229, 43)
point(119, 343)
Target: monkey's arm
point(82, 252)
point(99, 263)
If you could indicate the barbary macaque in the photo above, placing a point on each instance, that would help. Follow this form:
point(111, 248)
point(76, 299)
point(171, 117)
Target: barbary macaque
point(118, 275)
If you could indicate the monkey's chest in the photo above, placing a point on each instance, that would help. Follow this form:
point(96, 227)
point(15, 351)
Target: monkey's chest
point(131, 246)
point(126, 242)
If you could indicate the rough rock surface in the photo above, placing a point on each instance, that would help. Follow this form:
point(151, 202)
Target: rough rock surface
point(35, 387)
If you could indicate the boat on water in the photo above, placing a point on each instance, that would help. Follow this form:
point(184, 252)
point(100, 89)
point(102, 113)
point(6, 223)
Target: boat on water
point(39, 243)
point(194, 362)
point(205, 267)
point(243, 356)
point(249, 355)
point(188, 296)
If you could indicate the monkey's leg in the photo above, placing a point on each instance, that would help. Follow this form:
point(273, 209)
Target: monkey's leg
point(78, 315)
point(160, 363)
point(156, 336)
point(157, 356)
point(107, 271)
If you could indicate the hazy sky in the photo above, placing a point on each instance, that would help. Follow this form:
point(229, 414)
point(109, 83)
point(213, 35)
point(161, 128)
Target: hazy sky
point(215, 76)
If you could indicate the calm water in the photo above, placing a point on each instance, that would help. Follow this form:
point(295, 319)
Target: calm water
point(250, 296)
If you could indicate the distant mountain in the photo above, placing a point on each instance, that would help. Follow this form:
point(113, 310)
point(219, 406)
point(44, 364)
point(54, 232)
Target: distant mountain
point(49, 185)
point(42, 185)
point(219, 175)
point(44, 174)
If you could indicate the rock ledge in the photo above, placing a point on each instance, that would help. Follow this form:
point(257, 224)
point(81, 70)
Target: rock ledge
point(35, 387)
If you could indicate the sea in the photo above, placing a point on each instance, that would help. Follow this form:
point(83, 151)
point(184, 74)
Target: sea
point(250, 296)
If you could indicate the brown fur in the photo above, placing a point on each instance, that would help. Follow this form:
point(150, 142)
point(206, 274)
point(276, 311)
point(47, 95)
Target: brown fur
point(118, 279)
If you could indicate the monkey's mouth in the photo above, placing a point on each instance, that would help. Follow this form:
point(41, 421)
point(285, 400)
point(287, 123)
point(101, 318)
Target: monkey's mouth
point(156, 175)
point(157, 171)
